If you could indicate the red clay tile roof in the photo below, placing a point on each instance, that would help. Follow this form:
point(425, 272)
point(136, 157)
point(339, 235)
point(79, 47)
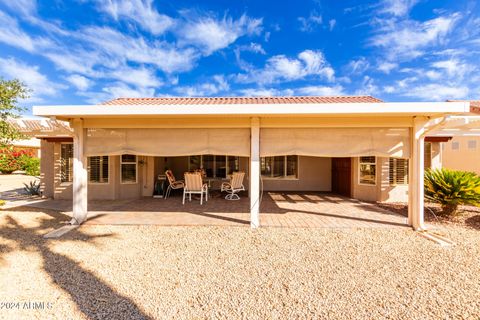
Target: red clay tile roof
point(32, 126)
point(474, 105)
point(241, 100)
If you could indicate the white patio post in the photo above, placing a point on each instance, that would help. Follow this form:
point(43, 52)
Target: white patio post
point(416, 184)
point(79, 174)
point(255, 173)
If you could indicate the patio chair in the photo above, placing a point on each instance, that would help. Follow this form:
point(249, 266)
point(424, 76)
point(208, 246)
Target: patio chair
point(173, 183)
point(194, 185)
point(234, 186)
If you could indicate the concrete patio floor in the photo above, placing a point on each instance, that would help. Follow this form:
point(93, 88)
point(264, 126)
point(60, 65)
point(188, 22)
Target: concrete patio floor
point(278, 209)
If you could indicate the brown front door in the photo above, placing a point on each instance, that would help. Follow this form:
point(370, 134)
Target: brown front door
point(342, 176)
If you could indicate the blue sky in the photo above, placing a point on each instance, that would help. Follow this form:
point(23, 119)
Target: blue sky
point(87, 51)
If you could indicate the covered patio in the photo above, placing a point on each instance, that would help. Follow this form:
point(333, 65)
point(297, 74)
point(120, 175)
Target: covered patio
point(277, 209)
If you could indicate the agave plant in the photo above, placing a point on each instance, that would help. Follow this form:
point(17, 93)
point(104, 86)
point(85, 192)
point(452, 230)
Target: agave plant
point(452, 188)
point(33, 188)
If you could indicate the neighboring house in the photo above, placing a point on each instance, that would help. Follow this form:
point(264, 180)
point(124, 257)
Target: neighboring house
point(32, 144)
point(463, 152)
point(356, 146)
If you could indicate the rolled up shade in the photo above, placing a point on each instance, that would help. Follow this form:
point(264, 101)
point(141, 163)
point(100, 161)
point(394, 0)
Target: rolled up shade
point(168, 142)
point(335, 142)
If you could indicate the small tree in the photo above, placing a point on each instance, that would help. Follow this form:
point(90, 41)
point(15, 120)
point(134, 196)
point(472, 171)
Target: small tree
point(10, 92)
point(452, 188)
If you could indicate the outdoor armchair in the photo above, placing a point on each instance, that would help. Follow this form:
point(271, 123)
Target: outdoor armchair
point(194, 185)
point(173, 183)
point(234, 186)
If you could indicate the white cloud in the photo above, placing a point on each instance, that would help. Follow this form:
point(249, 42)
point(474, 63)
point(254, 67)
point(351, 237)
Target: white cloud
point(140, 11)
point(139, 77)
point(30, 75)
point(219, 84)
point(407, 39)
point(120, 89)
point(264, 92)
point(311, 22)
point(453, 68)
point(358, 66)
point(281, 68)
point(437, 92)
point(117, 47)
point(331, 24)
point(80, 82)
point(210, 34)
point(24, 7)
point(398, 7)
point(368, 87)
point(11, 34)
point(386, 66)
point(321, 91)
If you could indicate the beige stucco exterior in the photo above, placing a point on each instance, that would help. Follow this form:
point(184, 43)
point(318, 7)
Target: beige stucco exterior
point(314, 174)
point(464, 158)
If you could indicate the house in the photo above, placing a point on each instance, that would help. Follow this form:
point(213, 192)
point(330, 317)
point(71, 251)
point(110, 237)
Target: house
point(357, 146)
point(462, 152)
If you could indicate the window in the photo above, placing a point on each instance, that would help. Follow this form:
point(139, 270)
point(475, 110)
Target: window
point(455, 145)
point(128, 167)
point(66, 162)
point(472, 144)
point(98, 169)
point(279, 167)
point(398, 171)
point(367, 170)
point(214, 166)
point(428, 155)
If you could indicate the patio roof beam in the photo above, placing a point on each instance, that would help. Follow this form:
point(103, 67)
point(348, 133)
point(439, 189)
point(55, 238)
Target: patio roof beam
point(255, 173)
point(80, 177)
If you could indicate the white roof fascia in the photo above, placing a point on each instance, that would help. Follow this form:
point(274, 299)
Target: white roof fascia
point(393, 108)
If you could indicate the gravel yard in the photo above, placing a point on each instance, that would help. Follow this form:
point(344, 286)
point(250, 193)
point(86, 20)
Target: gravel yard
point(136, 272)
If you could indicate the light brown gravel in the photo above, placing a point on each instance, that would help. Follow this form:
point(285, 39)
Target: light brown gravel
point(123, 272)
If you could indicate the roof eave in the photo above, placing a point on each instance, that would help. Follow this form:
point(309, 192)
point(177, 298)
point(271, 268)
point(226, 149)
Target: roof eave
point(66, 112)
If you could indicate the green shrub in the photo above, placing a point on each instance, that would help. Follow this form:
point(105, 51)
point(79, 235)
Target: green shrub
point(30, 165)
point(452, 188)
point(2, 203)
point(12, 158)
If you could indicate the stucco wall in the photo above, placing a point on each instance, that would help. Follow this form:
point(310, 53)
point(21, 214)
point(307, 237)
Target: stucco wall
point(382, 191)
point(465, 159)
point(47, 174)
point(314, 174)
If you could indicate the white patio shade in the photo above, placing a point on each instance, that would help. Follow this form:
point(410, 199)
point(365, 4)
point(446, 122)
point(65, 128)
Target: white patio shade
point(168, 142)
point(335, 142)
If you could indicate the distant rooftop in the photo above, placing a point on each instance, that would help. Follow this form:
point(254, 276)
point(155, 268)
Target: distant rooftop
point(242, 100)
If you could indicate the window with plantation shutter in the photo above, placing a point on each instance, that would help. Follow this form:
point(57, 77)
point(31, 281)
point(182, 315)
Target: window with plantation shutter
point(98, 169)
point(398, 171)
point(66, 162)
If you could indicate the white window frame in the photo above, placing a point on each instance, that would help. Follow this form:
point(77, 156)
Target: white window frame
point(109, 170)
point(359, 168)
point(284, 177)
point(65, 183)
point(227, 168)
point(136, 170)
